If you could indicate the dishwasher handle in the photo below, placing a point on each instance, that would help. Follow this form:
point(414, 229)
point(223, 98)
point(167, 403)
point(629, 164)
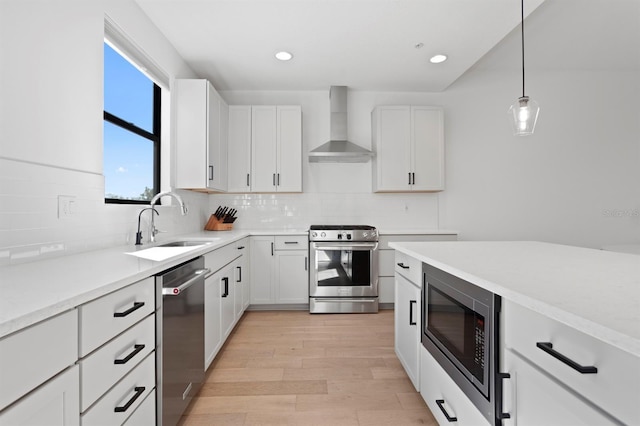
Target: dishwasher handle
point(174, 291)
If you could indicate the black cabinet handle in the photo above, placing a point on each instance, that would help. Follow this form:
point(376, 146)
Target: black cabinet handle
point(409, 178)
point(239, 274)
point(139, 391)
point(548, 348)
point(241, 248)
point(413, 178)
point(271, 249)
point(411, 303)
point(135, 307)
point(501, 377)
point(226, 286)
point(248, 179)
point(136, 349)
point(306, 261)
point(210, 172)
point(446, 415)
point(403, 266)
point(274, 179)
point(291, 242)
point(278, 179)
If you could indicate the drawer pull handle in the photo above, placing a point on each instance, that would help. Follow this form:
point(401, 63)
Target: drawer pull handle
point(136, 349)
point(450, 419)
point(548, 348)
point(239, 280)
point(226, 286)
point(403, 266)
point(139, 390)
point(499, 385)
point(411, 303)
point(291, 242)
point(241, 248)
point(135, 307)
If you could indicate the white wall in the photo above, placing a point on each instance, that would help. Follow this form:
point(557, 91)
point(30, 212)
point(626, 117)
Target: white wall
point(51, 103)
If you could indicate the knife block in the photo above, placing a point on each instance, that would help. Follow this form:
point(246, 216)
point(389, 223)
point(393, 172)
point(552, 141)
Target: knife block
point(215, 224)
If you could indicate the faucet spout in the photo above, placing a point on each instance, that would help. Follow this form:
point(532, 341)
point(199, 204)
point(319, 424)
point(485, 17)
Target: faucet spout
point(154, 200)
point(139, 233)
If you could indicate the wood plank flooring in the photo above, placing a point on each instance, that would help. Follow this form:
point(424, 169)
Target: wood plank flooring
point(294, 368)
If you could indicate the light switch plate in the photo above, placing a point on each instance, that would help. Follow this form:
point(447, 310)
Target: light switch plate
point(66, 206)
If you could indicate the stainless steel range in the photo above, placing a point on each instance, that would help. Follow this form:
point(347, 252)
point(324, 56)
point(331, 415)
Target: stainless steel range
point(344, 269)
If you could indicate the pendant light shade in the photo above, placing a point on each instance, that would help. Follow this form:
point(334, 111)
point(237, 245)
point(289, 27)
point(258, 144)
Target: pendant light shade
point(524, 111)
point(524, 114)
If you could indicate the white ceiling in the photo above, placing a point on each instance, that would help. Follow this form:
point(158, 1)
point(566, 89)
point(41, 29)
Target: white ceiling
point(369, 44)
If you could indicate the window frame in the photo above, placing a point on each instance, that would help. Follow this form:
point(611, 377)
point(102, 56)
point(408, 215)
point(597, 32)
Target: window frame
point(154, 136)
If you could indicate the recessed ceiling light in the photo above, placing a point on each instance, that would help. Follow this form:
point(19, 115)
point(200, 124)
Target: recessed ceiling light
point(436, 59)
point(284, 56)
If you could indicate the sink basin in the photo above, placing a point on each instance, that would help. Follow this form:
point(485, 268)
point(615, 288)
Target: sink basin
point(171, 249)
point(188, 243)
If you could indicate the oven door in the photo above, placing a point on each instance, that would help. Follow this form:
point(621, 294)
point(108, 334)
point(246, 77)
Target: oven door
point(459, 326)
point(343, 269)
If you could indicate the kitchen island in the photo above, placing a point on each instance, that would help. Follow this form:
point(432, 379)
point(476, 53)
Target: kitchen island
point(584, 301)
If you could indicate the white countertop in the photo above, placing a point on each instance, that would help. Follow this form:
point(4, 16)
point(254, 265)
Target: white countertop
point(32, 292)
point(594, 291)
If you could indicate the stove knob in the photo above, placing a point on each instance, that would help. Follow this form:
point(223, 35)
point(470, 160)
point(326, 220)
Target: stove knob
point(365, 234)
point(348, 236)
point(314, 234)
point(322, 234)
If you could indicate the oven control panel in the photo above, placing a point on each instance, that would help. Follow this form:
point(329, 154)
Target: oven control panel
point(344, 235)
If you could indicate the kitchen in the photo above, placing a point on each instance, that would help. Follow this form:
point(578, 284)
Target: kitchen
point(575, 181)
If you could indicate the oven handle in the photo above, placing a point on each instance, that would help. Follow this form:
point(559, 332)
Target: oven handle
point(174, 291)
point(342, 246)
point(344, 300)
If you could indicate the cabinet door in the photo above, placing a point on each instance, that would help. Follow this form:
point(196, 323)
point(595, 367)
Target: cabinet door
point(407, 327)
point(392, 138)
point(227, 301)
point(263, 148)
point(289, 137)
point(216, 138)
point(55, 403)
point(238, 287)
point(191, 147)
point(292, 276)
point(532, 397)
point(262, 270)
point(239, 148)
point(427, 148)
point(212, 316)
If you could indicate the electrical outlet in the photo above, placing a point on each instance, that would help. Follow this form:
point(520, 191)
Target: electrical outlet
point(66, 206)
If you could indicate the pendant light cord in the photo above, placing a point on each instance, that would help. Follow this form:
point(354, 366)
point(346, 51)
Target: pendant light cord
point(522, 33)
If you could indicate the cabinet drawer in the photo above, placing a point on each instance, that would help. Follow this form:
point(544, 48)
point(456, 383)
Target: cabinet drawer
point(99, 371)
point(32, 356)
point(125, 397)
point(409, 268)
point(145, 415)
point(436, 385)
point(292, 242)
point(219, 258)
point(103, 318)
point(615, 387)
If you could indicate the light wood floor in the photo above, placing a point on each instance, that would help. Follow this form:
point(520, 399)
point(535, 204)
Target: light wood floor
point(294, 368)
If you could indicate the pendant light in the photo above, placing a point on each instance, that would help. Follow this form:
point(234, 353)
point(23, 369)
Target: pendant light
point(524, 111)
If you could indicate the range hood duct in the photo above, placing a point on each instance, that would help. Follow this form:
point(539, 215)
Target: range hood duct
point(339, 149)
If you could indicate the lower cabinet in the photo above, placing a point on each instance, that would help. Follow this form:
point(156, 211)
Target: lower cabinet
point(407, 327)
point(279, 270)
point(212, 317)
point(532, 397)
point(445, 399)
point(56, 403)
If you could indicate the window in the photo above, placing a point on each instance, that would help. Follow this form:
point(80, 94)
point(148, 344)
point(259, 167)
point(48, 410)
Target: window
point(131, 131)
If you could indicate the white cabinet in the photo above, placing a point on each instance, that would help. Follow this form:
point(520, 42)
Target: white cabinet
point(544, 355)
point(532, 397)
point(407, 315)
point(386, 260)
point(279, 270)
point(239, 154)
point(444, 398)
point(241, 279)
point(56, 403)
point(202, 119)
point(212, 318)
point(276, 148)
point(227, 299)
point(409, 146)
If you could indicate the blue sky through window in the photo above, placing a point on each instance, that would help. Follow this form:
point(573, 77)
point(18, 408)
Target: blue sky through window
point(128, 158)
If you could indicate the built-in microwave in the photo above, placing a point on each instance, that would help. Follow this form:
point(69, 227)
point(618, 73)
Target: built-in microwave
point(459, 329)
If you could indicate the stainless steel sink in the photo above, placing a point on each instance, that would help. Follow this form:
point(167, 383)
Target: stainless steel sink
point(187, 243)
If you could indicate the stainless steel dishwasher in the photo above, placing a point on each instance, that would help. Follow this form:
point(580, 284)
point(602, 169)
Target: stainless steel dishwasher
point(180, 338)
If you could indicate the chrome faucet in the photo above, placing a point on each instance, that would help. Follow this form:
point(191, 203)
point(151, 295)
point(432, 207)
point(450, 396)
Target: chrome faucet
point(183, 210)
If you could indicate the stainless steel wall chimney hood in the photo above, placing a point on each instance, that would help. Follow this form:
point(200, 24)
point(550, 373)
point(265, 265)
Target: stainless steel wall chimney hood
point(339, 149)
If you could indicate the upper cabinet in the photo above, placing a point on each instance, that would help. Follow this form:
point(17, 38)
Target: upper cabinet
point(202, 119)
point(409, 146)
point(276, 148)
point(239, 148)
